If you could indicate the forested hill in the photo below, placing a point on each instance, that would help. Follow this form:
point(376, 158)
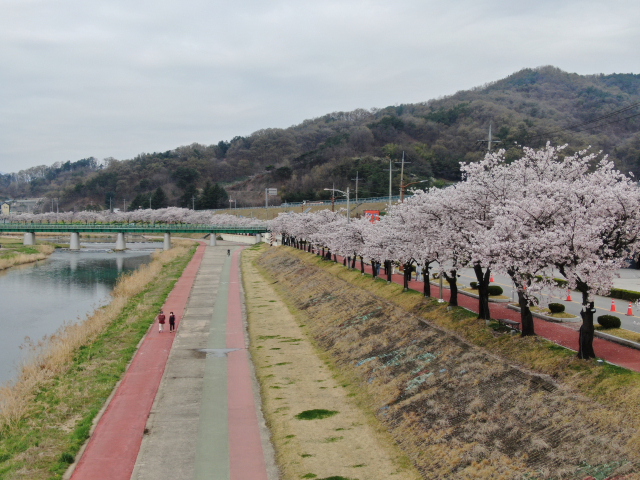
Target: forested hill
point(528, 108)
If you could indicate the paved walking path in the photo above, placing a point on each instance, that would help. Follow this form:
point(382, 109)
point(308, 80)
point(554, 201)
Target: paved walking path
point(556, 332)
point(202, 423)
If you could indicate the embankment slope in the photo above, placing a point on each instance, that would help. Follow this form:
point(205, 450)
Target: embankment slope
point(457, 410)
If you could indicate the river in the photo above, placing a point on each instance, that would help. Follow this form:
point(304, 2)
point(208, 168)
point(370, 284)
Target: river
point(36, 299)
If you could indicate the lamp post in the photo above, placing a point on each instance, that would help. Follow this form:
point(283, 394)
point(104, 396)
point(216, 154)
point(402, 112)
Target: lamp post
point(346, 194)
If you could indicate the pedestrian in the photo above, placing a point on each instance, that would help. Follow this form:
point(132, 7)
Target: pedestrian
point(172, 322)
point(228, 252)
point(161, 319)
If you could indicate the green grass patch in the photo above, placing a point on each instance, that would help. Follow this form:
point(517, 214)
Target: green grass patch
point(317, 414)
point(49, 436)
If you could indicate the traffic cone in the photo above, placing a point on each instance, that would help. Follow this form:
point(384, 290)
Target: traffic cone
point(613, 305)
point(568, 295)
point(491, 279)
point(629, 311)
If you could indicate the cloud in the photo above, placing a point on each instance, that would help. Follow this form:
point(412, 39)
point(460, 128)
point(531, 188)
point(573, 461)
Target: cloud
point(118, 78)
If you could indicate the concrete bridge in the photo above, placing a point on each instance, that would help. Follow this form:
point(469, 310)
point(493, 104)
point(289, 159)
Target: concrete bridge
point(75, 229)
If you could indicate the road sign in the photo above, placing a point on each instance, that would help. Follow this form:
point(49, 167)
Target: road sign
point(272, 191)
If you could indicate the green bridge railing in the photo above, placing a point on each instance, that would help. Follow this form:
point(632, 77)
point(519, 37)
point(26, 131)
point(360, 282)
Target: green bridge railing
point(126, 228)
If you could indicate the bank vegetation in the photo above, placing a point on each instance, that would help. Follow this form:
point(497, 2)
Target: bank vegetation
point(47, 413)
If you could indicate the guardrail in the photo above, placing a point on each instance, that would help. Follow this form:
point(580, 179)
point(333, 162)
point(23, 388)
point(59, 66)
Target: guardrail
point(314, 203)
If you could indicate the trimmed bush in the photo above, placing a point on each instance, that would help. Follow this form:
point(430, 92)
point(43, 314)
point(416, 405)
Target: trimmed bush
point(473, 284)
point(609, 321)
point(556, 307)
point(495, 290)
point(628, 295)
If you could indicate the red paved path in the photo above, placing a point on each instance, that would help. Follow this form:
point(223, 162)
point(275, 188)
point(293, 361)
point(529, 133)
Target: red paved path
point(557, 333)
point(246, 458)
point(112, 449)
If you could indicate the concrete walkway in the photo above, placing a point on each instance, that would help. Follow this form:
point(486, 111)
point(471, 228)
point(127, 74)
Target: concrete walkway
point(203, 423)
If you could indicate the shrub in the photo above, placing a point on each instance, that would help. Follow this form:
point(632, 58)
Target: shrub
point(609, 321)
point(473, 284)
point(556, 307)
point(495, 290)
point(628, 295)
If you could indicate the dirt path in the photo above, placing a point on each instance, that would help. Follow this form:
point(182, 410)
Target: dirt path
point(347, 443)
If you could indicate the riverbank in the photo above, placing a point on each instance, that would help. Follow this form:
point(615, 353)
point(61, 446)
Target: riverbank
point(463, 399)
point(13, 253)
point(46, 415)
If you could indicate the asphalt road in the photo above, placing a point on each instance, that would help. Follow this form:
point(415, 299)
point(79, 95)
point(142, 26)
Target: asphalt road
point(602, 304)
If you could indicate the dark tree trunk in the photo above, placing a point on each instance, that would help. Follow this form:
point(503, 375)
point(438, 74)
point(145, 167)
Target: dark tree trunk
point(361, 264)
point(426, 276)
point(373, 268)
point(453, 287)
point(483, 292)
point(585, 342)
point(335, 258)
point(388, 264)
point(322, 252)
point(526, 319)
point(353, 261)
point(344, 261)
point(282, 239)
point(407, 275)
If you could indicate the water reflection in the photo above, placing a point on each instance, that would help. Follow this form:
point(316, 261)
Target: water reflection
point(38, 298)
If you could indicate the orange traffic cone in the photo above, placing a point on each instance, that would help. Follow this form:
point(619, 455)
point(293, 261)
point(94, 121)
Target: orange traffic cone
point(629, 311)
point(613, 305)
point(491, 279)
point(568, 295)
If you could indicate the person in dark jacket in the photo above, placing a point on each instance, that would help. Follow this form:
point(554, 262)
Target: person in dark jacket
point(172, 322)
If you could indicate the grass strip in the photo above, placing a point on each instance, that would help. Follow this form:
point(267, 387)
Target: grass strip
point(47, 416)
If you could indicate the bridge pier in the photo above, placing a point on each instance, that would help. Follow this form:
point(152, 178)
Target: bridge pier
point(121, 243)
point(212, 240)
point(258, 238)
point(166, 245)
point(29, 238)
point(74, 241)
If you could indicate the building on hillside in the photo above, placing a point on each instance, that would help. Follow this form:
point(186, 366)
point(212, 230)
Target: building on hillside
point(6, 208)
point(27, 205)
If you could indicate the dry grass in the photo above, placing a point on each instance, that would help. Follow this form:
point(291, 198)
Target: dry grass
point(455, 409)
point(23, 258)
point(51, 356)
point(293, 380)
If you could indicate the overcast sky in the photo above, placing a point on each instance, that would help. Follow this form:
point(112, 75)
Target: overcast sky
point(117, 78)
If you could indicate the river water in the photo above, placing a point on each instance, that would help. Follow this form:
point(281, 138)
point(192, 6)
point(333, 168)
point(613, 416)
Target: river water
point(36, 299)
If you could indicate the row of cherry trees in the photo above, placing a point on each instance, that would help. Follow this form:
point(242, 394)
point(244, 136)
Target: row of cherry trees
point(529, 219)
point(162, 215)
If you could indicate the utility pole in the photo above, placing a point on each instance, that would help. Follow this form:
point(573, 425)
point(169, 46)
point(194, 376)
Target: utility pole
point(347, 204)
point(489, 140)
point(333, 196)
point(356, 180)
point(390, 179)
point(124, 205)
point(193, 202)
point(402, 185)
point(150, 202)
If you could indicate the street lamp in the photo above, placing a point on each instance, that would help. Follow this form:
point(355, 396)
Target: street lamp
point(405, 185)
point(346, 194)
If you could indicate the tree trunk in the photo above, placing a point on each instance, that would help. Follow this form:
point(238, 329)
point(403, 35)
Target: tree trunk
point(453, 287)
point(335, 258)
point(526, 319)
point(483, 292)
point(407, 275)
point(322, 252)
point(344, 261)
point(353, 261)
point(388, 263)
point(361, 264)
point(426, 276)
point(585, 348)
point(373, 268)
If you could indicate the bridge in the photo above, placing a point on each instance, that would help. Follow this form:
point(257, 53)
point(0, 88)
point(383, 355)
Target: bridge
point(75, 229)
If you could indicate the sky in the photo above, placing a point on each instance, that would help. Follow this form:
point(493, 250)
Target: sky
point(119, 78)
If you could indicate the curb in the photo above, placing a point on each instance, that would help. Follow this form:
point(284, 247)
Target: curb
point(491, 300)
point(613, 338)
